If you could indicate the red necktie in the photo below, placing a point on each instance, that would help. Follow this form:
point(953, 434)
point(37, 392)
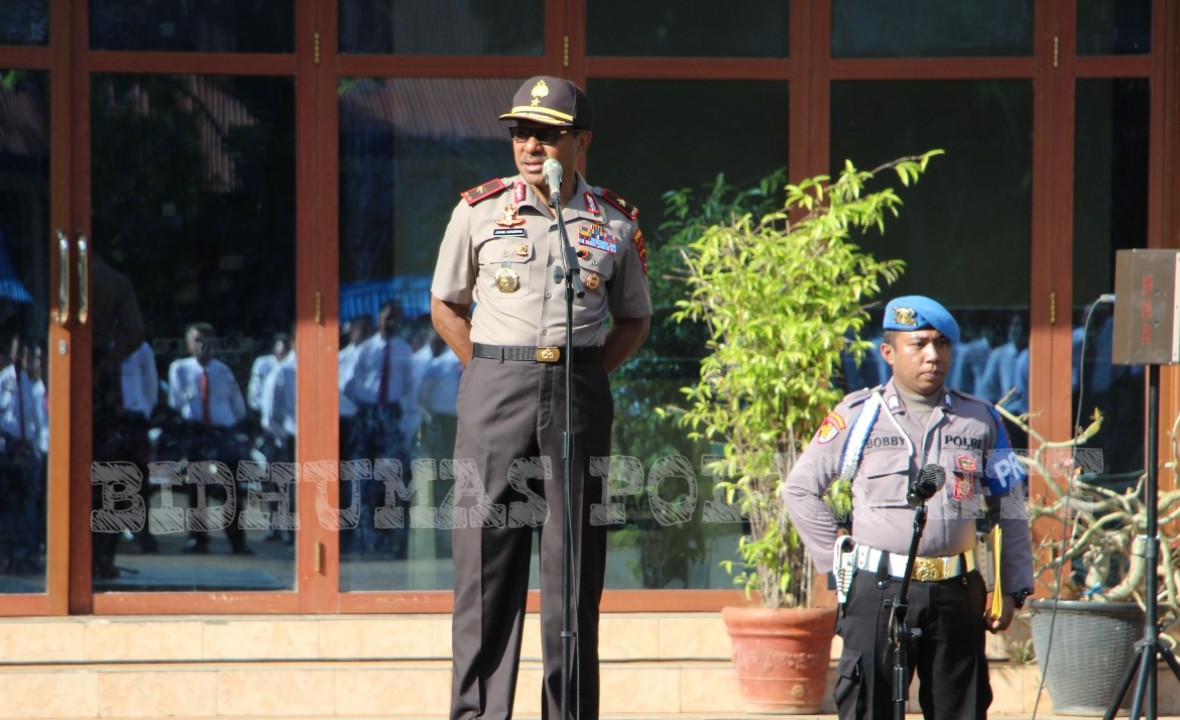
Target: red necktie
point(20, 403)
point(383, 388)
point(205, 396)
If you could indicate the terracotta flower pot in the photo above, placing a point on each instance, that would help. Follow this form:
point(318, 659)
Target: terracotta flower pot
point(781, 656)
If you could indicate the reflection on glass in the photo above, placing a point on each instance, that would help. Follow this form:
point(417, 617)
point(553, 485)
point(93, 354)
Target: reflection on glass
point(400, 177)
point(24, 319)
point(1110, 214)
point(24, 22)
point(193, 308)
point(197, 26)
point(932, 28)
point(449, 27)
point(739, 28)
point(1114, 27)
point(966, 249)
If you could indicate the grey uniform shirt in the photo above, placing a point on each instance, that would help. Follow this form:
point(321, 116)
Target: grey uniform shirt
point(500, 250)
point(962, 436)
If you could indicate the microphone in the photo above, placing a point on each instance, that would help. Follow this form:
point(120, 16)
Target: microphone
point(930, 480)
point(552, 170)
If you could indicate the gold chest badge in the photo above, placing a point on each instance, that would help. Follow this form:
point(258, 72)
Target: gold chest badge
point(509, 218)
point(591, 281)
point(507, 279)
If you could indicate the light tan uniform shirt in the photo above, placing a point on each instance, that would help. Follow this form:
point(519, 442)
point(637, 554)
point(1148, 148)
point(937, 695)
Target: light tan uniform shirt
point(500, 251)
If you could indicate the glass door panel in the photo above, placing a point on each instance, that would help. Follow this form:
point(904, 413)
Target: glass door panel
point(446, 27)
point(197, 26)
point(192, 275)
point(25, 315)
point(400, 178)
point(24, 22)
point(1110, 214)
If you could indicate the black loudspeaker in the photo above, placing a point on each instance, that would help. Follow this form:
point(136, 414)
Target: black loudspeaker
point(1146, 316)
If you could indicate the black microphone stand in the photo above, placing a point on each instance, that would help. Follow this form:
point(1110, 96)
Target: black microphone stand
point(573, 287)
point(901, 634)
point(1146, 649)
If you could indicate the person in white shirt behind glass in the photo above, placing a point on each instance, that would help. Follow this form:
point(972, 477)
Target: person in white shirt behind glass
point(278, 424)
point(205, 393)
point(22, 464)
point(381, 387)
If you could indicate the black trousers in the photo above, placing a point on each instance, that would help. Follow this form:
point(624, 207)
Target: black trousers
point(949, 657)
point(511, 423)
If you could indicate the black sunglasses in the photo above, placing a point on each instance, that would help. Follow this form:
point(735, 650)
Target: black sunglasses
point(545, 136)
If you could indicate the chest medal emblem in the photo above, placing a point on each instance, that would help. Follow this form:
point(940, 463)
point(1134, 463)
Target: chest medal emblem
point(507, 280)
point(509, 218)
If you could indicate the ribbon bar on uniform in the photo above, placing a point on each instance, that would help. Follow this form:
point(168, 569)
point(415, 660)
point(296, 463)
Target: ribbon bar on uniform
point(534, 354)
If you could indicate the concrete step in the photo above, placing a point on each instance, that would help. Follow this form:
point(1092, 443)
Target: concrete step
point(657, 666)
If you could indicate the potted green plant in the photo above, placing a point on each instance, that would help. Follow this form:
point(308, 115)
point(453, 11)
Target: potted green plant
point(782, 294)
point(1092, 570)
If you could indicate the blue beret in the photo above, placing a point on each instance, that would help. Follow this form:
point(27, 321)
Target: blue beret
point(918, 312)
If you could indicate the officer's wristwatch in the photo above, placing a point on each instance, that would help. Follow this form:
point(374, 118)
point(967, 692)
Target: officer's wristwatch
point(1019, 598)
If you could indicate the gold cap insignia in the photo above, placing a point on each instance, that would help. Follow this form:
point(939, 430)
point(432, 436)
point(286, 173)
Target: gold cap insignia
point(904, 316)
point(539, 91)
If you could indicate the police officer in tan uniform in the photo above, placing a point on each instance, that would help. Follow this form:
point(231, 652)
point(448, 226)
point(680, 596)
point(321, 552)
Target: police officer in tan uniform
point(499, 255)
point(880, 438)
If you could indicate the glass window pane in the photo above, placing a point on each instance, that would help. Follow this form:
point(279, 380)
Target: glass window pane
point(24, 22)
point(932, 28)
point(198, 26)
point(964, 231)
point(634, 141)
point(193, 281)
point(1114, 27)
point(405, 154)
point(636, 136)
point(450, 27)
point(692, 28)
point(1110, 214)
point(24, 322)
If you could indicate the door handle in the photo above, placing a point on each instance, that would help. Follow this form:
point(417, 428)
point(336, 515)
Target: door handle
point(63, 279)
point(83, 279)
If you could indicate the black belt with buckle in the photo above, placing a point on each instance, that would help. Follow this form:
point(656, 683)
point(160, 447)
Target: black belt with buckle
point(535, 354)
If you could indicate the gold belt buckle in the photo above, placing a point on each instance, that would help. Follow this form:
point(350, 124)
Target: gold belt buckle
point(929, 569)
point(548, 354)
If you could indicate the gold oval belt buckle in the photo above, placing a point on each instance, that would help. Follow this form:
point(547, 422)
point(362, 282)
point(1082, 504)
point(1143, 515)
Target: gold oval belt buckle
point(928, 569)
point(548, 354)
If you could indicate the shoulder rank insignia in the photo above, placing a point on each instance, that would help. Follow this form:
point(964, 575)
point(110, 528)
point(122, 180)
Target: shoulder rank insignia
point(484, 191)
point(625, 207)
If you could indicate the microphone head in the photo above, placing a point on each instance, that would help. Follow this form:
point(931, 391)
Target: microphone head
point(930, 480)
point(552, 170)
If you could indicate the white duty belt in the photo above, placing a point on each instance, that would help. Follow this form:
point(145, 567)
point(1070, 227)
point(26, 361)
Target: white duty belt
point(926, 569)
